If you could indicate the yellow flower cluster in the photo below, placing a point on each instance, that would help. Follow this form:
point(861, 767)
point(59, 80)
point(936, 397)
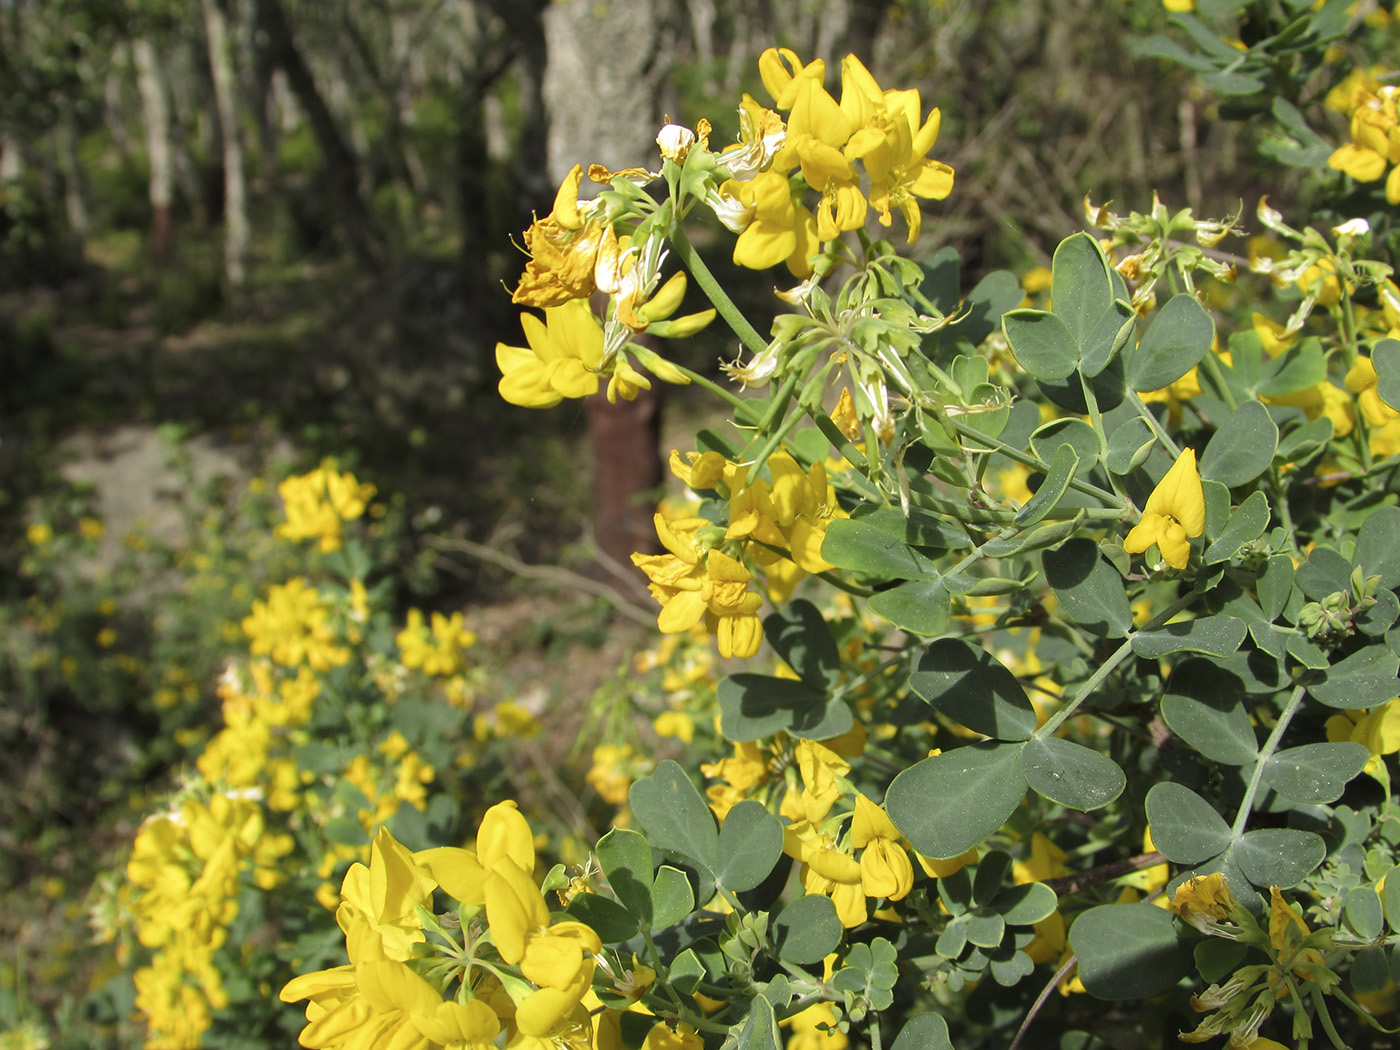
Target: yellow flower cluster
point(573, 253)
point(516, 975)
point(319, 503)
point(884, 131)
point(188, 865)
point(257, 713)
point(292, 627)
point(437, 649)
point(1375, 140)
point(778, 524)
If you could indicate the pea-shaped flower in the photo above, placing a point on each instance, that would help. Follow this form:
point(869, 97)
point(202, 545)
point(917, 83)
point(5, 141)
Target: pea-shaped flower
point(1175, 511)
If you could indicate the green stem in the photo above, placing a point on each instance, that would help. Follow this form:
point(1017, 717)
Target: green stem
point(1119, 655)
point(1211, 363)
point(1091, 402)
point(1105, 669)
point(718, 297)
point(1035, 463)
point(1147, 417)
point(741, 408)
point(1265, 753)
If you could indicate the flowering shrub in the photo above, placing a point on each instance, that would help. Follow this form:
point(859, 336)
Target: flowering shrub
point(1080, 607)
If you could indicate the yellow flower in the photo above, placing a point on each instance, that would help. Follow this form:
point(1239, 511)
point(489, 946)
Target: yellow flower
point(1285, 922)
point(564, 355)
point(1378, 730)
point(318, 503)
point(1362, 381)
point(815, 1029)
point(291, 627)
point(893, 145)
point(777, 227)
point(1175, 511)
point(828, 871)
point(563, 249)
point(437, 651)
point(694, 584)
point(885, 869)
point(1375, 145)
point(1204, 900)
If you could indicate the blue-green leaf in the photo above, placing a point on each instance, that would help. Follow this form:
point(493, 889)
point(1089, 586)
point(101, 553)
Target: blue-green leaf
point(949, 803)
point(1128, 951)
point(1071, 774)
point(674, 815)
point(971, 686)
point(1185, 827)
point(1178, 337)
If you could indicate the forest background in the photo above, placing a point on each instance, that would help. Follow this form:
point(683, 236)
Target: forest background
point(237, 238)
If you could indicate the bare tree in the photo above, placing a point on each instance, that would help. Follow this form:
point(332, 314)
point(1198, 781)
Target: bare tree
point(236, 232)
point(342, 169)
point(155, 117)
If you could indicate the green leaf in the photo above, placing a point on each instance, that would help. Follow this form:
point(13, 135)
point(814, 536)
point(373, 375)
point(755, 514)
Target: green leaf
point(1090, 591)
point(1047, 439)
point(609, 920)
point(1385, 356)
point(1042, 343)
point(674, 815)
point(799, 634)
point(1301, 441)
point(1083, 290)
point(1369, 970)
point(1378, 546)
point(1301, 366)
point(1392, 902)
point(1130, 445)
point(1128, 951)
point(1364, 679)
point(868, 972)
point(1185, 827)
point(754, 706)
point(949, 803)
point(1314, 772)
point(1053, 488)
point(625, 857)
point(1246, 524)
point(1179, 336)
point(1034, 539)
point(1242, 448)
point(750, 843)
point(1363, 912)
point(925, 1032)
point(807, 930)
point(1204, 712)
point(759, 1028)
point(1213, 635)
point(855, 544)
point(686, 971)
point(917, 606)
point(1217, 498)
point(1217, 958)
point(1325, 572)
point(1274, 584)
point(1280, 857)
point(970, 685)
point(1026, 904)
point(1071, 774)
point(672, 898)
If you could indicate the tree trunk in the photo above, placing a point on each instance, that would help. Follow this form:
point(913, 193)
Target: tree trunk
point(342, 170)
point(155, 115)
point(608, 112)
point(226, 99)
point(74, 185)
